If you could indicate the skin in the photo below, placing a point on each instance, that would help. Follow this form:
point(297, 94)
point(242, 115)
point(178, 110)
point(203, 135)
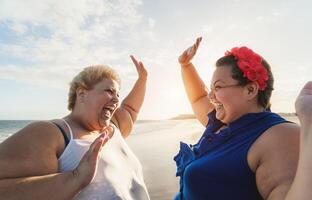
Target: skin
point(29, 158)
point(266, 157)
point(300, 188)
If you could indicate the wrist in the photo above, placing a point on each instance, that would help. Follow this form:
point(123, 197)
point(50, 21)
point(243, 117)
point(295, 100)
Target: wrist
point(142, 78)
point(186, 64)
point(76, 180)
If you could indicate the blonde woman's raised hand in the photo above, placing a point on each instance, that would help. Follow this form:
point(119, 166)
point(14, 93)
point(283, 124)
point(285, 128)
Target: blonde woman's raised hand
point(304, 105)
point(186, 57)
point(139, 67)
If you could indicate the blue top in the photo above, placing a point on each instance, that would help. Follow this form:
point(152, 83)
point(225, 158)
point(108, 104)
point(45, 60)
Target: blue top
point(216, 168)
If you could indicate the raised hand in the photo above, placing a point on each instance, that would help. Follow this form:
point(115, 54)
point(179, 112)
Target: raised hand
point(189, 53)
point(139, 67)
point(304, 105)
point(86, 169)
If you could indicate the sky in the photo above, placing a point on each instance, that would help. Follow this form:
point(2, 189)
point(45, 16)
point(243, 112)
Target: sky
point(44, 43)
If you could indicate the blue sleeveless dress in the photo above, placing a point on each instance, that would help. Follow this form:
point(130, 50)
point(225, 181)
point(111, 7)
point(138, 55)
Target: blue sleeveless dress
point(216, 168)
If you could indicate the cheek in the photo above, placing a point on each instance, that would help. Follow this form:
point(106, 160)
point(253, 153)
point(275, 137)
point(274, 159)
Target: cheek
point(222, 97)
point(228, 100)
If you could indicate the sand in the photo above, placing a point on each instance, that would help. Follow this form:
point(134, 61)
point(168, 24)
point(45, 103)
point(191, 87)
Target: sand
point(157, 146)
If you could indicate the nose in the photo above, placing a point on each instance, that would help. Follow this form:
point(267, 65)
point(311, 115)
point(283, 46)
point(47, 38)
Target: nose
point(115, 98)
point(211, 94)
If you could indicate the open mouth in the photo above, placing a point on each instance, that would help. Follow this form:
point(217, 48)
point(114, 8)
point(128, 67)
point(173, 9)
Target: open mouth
point(108, 111)
point(217, 105)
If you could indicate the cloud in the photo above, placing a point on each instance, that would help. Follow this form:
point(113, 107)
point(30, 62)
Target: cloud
point(59, 35)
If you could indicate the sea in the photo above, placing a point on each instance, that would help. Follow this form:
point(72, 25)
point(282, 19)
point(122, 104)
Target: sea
point(9, 127)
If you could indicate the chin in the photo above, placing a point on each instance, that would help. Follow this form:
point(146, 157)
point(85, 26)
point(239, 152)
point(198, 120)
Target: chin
point(104, 123)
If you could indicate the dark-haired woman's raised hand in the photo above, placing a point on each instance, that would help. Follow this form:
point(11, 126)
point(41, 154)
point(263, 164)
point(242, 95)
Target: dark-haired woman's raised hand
point(186, 57)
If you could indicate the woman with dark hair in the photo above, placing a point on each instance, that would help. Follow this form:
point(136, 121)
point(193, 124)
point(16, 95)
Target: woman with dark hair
point(246, 152)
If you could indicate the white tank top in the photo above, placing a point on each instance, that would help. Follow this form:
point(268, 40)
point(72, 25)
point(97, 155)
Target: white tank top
point(118, 175)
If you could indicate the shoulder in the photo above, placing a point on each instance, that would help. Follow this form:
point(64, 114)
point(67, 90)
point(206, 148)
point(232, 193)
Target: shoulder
point(279, 139)
point(39, 131)
point(32, 149)
point(275, 154)
point(282, 132)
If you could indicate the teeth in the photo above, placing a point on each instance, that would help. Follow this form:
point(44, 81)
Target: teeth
point(111, 109)
point(217, 105)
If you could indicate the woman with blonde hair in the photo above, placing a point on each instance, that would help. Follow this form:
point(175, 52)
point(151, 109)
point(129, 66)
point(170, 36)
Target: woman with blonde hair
point(83, 155)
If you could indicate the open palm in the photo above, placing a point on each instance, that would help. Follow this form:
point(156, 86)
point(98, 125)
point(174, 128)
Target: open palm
point(189, 53)
point(139, 67)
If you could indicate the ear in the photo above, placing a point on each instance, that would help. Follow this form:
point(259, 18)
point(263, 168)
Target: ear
point(81, 93)
point(251, 90)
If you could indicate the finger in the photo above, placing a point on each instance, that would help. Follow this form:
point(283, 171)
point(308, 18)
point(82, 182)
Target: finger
point(307, 89)
point(189, 50)
point(185, 53)
point(135, 62)
point(141, 65)
point(308, 85)
point(198, 40)
point(97, 145)
point(193, 50)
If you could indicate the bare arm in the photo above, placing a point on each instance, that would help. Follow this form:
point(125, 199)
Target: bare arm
point(28, 165)
point(301, 187)
point(128, 111)
point(52, 186)
point(277, 162)
point(196, 90)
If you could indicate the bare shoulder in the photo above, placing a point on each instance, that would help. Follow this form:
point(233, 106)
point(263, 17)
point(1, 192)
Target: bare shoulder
point(276, 152)
point(31, 151)
point(280, 138)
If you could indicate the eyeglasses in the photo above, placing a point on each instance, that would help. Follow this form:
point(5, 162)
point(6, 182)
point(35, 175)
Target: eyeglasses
point(219, 87)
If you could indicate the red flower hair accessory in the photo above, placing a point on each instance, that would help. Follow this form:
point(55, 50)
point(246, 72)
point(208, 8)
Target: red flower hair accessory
point(251, 65)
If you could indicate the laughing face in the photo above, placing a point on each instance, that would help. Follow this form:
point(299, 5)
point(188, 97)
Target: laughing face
point(101, 102)
point(226, 95)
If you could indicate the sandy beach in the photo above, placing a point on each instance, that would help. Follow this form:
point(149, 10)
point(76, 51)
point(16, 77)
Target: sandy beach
point(156, 146)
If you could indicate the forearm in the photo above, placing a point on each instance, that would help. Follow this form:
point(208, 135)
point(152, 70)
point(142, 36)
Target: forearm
point(59, 186)
point(300, 188)
point(194, 86)
point(134, 100)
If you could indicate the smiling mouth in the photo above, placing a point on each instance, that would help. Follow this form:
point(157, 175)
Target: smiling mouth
point(217, 105)
point(109, 110)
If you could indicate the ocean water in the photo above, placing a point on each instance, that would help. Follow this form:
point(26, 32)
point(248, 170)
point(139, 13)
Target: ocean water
point(9, 127)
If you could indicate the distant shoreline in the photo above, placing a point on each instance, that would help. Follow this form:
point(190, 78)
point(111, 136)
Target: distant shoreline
point(191, 116)
point(178, 117)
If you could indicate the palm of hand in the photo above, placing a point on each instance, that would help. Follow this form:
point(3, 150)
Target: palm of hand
point(142, 72)
point(186, 57)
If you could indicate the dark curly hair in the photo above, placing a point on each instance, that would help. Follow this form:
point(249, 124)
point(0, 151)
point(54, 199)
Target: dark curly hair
point(263, 96)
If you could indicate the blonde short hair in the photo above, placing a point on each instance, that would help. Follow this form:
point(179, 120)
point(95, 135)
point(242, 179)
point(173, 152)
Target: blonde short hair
point(89, 77)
